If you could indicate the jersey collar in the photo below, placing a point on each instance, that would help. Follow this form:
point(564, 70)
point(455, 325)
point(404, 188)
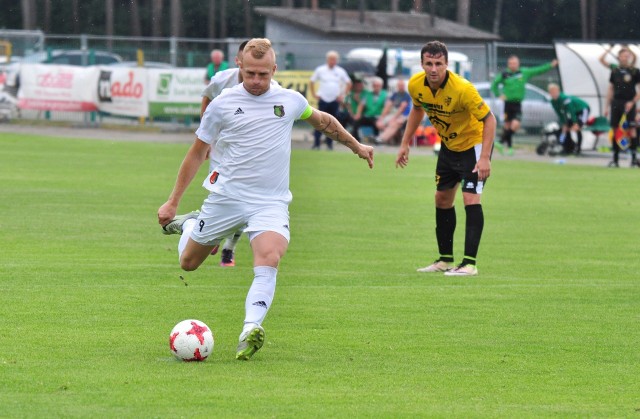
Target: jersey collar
point(444, 82)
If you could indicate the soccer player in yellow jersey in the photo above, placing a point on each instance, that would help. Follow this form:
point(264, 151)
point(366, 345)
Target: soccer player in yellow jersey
point(467, 128)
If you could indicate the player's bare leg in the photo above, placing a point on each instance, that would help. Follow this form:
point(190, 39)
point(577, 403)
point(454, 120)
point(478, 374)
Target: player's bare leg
point(194, 254)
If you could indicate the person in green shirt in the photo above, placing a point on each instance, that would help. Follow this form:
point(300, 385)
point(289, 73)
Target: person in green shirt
point(349, 107)
point(370, 108)
point(217, 64)
point(510, 87)
point(573, 113)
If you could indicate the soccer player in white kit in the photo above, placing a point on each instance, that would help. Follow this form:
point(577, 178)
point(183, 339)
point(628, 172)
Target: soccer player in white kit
point(251, 126)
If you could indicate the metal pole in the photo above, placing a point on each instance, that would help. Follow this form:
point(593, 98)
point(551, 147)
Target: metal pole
point(173, 50)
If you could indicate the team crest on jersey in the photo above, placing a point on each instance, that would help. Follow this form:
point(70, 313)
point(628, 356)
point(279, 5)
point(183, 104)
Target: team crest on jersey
point(278, 110)
point(447, 100)
point(213, 178)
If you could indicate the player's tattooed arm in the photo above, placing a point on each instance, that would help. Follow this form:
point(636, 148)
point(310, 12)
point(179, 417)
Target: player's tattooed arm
point(329, 125)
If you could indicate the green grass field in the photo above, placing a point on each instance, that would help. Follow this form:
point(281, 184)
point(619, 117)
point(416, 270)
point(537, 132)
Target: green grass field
point(90, 289)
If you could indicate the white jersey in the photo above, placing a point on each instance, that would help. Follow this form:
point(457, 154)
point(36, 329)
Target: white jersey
point(252, 136)
point(220, 81)
point(332, 81)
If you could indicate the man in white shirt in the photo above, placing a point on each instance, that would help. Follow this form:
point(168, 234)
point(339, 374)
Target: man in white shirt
point(250, 186)
point(335, 84)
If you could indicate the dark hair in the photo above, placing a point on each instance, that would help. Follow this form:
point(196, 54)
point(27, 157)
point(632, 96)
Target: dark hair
point(242, 45)
point(435, 48)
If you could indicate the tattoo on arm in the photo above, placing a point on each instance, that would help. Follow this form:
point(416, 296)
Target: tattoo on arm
point(329, 126)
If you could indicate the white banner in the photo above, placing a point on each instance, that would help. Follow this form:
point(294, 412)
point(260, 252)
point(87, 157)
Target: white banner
point(57, 87)
point(175, 92)
point(122, 91)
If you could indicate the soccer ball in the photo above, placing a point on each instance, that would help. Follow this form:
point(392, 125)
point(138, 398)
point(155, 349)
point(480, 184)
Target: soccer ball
point(191, 340)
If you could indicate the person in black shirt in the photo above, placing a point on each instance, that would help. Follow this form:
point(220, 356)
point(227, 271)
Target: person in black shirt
point(622, 96)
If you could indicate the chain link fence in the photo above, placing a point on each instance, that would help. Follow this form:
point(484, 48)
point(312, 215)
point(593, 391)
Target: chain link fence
point(486, 59)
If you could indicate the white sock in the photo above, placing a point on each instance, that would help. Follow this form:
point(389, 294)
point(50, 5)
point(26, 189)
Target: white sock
point(187, 228)
point(259, 297)
point(230, 243)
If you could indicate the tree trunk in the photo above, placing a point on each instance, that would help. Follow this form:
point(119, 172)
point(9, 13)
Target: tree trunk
point(496, 18)
point(28, 14)
point(176, 18)
point(593, 19)
point(417, 6)
point(108, 11)
point(46, 25)
point(584, 20)
point(394, 6)
point(287, 3)
point(211, 18)
point(136, 30)
point(75, 15)
point(156, 18)
point(248, 22)
point(223, 18)
point(463, 10)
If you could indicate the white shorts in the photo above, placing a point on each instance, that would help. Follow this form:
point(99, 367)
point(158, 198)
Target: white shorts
point(221, 216)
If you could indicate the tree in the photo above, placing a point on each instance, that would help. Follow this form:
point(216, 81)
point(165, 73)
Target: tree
point(248, 25)
point(211, 18)
point(28, 14)
point(463, 10)
point(176, 18)
point(136, 29)
point(223, 18)
point(46, 25)
point(108, 11)
point(75, 15)
point(497, 16)
point(593, 18)
point(156, 18)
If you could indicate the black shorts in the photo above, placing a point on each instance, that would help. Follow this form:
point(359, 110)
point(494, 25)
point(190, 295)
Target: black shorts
point(512, 110)
point(579, 118)
point(455, 167)
point(617, 110)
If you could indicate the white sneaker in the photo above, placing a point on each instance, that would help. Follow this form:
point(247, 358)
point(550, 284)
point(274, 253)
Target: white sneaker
point(175, 226)
point(437, 266)
point(463, 270)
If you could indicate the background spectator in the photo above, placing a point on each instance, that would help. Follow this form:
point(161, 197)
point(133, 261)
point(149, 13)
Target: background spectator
point(370, 108)
point(217, 64)
point(394, 115)
point(334, 85)
point(573, 113)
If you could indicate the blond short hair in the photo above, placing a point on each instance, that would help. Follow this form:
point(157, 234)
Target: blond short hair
point(259, 47)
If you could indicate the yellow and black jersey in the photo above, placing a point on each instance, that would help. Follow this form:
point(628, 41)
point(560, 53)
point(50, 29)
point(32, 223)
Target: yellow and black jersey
point(455, 110)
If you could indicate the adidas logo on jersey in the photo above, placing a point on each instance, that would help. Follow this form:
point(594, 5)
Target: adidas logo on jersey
point(238, 111)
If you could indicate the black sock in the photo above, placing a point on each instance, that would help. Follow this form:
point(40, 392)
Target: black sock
point(445, 227)
point(507, 135)
point(503, 137)
point(473, 232)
